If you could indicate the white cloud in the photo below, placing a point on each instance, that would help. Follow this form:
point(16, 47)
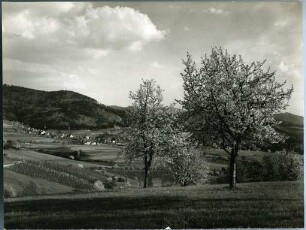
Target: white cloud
point(117, 27)
point(155, 64)
point(103, 28)
point(48, 8)
point(217, 11)
point(93, 71)
point(96, 53)
point(291, 72)
point(186, 28)
point(64, 6)
point(281, 23)
point(135, 46)
point(28, 35)
point(28, 26)
point(283, 67)
point(16, 24)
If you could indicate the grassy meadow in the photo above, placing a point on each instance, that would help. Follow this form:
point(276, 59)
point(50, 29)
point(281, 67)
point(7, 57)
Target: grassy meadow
point(266, 204)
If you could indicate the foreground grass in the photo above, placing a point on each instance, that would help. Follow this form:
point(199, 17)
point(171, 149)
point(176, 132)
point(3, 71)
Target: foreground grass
point(277, 204)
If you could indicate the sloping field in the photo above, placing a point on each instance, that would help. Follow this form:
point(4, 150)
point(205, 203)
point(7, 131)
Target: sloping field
point(36, 156)
point(23, 184)
point(273, 204)
point(79, 178)
point(103, 152)
point(22, 137)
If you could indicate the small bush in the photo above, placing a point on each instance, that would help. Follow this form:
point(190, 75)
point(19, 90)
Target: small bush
point(186, 167)
point(9, 192)
point(11, 145)
point(283, 166)
point(99, 186)
point(279, 166)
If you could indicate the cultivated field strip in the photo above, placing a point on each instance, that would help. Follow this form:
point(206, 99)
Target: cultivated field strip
point(79, 178)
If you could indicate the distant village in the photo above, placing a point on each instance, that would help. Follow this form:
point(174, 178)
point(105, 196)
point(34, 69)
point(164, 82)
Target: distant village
point(105, 138)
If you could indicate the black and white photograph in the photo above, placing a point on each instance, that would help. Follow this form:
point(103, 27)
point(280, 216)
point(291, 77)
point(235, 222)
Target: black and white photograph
point(153, 114)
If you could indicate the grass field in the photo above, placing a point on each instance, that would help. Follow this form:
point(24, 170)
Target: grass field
point(25, 137)
point(101, 153)
point(273, 204)
point(36, 156)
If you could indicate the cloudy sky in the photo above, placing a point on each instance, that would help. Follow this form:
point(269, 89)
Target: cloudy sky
point(104, 49)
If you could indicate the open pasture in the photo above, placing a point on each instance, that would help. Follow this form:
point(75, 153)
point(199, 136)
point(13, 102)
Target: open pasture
point(273, 204)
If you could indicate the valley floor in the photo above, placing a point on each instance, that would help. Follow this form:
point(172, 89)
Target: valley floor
point(265, 204)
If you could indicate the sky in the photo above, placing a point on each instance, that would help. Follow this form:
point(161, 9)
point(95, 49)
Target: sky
point(104, 49)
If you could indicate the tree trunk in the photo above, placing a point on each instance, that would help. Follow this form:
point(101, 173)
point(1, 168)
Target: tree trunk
point(147, 163)
point(232, 171)
point(146, 178)
point(146, 171)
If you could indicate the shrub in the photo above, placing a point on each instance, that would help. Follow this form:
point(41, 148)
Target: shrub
point(186, 166)
point(9, 192)
point(279, 166)
point(11, 145)
point(99, 185)
point(283, 166)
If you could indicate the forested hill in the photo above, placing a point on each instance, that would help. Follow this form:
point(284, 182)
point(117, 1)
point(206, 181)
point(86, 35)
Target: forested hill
point(293, 127)
point(57, 109)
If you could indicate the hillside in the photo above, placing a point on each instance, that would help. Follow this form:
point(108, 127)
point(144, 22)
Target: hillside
point(293, 127)
point(57, 109)
point(289, 118)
